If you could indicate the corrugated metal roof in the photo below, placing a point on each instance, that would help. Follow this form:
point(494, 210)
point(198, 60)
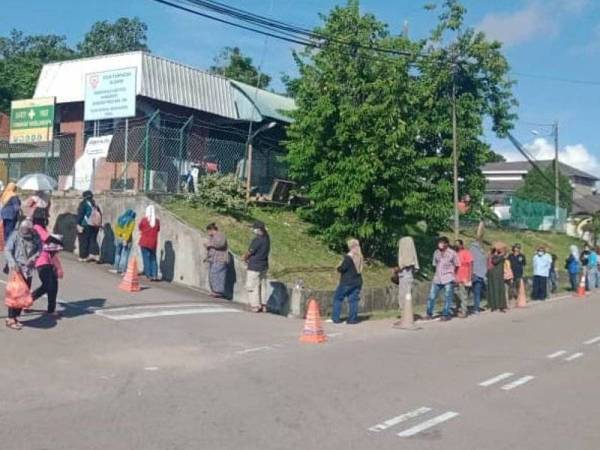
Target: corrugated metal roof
point(167, 81)
point(268, 104)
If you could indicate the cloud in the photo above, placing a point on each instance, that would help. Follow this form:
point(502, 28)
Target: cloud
point(535, 19)
point(576, 155)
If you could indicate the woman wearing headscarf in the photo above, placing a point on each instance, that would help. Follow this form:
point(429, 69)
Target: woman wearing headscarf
point(11, 208)
point(350, 270)
point(149, 228)
point(46, 263)
point(89, 221)
point(572, 266)
point(22, 250)
point(218, 259)
point(408, 264)
point(496, 293)
point(123, 237)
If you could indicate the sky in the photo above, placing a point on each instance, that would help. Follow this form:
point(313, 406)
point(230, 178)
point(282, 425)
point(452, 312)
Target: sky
point(558, 39)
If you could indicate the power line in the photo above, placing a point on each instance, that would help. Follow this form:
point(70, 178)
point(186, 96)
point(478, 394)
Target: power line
point(558, 79)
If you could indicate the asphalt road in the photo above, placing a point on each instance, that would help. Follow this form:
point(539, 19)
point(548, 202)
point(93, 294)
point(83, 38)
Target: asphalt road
point(170, 369)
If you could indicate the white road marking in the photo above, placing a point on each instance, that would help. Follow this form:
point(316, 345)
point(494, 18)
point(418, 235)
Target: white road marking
point(517, 383)
point(556, 354)
point(255, 349)
point(174, 311)
point(574, 356)
point(151, 368)
point(428, 424)
point(502, 376)
point(592, 341)
point(399, 419)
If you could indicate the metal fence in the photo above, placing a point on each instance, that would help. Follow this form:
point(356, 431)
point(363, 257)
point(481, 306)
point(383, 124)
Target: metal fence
point(158, 153)
point(55, 158)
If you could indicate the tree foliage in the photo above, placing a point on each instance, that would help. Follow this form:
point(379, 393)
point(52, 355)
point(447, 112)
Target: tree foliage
point(232, 63)
point(539, 187)
point(372, 137)
point(105, 38)
point(22, 56)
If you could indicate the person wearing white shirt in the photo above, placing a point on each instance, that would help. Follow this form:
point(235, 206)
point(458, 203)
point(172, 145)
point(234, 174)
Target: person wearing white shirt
point(542, 263)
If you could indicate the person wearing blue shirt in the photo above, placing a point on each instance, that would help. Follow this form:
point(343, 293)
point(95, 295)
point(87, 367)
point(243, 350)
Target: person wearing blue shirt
point(592, 269)
point(572, 266)
point(542, 263)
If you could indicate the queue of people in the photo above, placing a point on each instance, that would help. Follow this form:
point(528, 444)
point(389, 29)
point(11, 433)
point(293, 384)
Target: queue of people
point(29, 248)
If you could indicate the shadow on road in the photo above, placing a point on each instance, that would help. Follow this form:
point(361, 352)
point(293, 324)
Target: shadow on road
point(81, 307)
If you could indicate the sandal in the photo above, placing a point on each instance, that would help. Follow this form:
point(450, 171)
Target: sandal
point(256, 309)
point(14, 324)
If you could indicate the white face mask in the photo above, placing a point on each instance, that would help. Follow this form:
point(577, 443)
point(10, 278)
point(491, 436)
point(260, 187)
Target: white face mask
point(541, 253)
point(256, 231)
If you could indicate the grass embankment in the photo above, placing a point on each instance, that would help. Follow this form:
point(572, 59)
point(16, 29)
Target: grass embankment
point(295, 253)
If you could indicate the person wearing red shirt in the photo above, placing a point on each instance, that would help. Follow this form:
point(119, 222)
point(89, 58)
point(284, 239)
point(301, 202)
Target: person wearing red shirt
point(464, 274)
point(149, 228)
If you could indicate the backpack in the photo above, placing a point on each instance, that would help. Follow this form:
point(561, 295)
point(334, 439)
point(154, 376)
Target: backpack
point(95, 218)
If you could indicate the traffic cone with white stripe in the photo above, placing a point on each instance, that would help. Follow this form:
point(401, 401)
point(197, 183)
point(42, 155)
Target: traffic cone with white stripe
point(131, 280)
point(581, 288)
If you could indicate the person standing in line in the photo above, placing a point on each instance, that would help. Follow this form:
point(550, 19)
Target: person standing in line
point(89, 221)
point(585, 255)
point(541, 271)
point(553, 278)
point(257, 258)
point(479, 274)
point(149, 228)
point(11, 209)
point(445, 262)
point(46, 265)
point(123, 239)
point(464, 276)
point(350, 284)
point(218, 260)
point(573, 267)
point(517, 265)
point(22, 250)
point(495, 276)
point(592, 269)
point(408, 264)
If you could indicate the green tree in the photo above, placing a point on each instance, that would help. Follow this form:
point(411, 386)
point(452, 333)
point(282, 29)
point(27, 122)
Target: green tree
point(105, 38)
point(539, 187)
point(372, 137)
point(231, 63)
point(21, 60)
point(495, 157)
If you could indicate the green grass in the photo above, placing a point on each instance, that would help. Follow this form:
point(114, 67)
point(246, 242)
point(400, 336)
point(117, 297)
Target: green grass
point(295, 253)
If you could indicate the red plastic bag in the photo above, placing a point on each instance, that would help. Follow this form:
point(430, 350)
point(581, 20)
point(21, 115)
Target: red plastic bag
point(17, 294)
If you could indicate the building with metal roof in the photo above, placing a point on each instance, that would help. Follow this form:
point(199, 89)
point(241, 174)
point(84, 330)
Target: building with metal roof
point(503, 179)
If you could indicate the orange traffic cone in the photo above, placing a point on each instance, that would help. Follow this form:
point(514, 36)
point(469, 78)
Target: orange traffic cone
point(521, 298)
point(131, 280)
point(313, 330)
point(581, 288)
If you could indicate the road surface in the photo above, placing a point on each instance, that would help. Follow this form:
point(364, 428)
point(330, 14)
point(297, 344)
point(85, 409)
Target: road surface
point(170, 369)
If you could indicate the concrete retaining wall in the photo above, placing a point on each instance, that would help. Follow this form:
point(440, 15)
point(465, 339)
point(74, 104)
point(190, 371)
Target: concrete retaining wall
point(181, 256)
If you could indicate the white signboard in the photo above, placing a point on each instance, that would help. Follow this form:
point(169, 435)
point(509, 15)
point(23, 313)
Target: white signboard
point(110, 95)
point(86, 166)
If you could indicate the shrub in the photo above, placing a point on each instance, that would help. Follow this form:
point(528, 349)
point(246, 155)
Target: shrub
point(224, 193)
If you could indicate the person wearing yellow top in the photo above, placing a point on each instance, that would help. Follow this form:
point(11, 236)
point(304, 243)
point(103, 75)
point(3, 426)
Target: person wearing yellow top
point(123, 238)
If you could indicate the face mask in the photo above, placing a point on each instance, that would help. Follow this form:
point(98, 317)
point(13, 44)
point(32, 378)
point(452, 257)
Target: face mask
point(541, 253)
point(255, 231)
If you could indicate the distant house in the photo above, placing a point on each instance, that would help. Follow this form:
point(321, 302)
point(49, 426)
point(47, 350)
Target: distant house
point(503, 179)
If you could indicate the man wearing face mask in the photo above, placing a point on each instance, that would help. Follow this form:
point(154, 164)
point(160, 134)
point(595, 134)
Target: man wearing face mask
point(541, 271)
point(257, 259)
point(445, 262)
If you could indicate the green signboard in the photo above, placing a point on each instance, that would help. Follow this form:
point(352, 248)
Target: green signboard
point(31, 120)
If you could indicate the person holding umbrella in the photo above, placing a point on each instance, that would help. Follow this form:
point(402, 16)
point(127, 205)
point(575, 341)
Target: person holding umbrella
point(41, 184)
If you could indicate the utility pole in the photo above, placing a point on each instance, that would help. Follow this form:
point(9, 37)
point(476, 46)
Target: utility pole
point(556, 179)
point(455, 154)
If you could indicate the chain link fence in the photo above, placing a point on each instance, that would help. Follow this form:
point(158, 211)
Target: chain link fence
point(55, 158)
point(158, 153)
